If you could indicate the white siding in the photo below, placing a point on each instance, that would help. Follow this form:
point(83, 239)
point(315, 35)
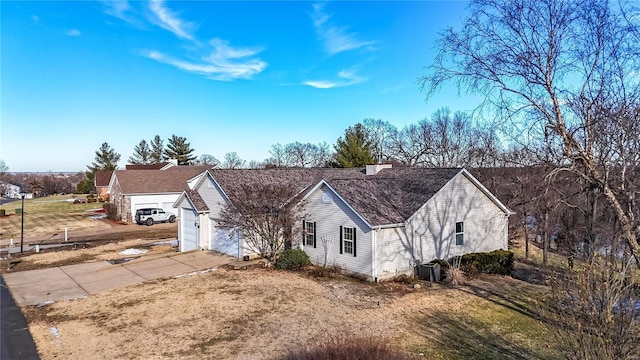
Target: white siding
point(394, 252)
point(432, 228)
point(328, 218)
point(218, 239)
point(222, 241)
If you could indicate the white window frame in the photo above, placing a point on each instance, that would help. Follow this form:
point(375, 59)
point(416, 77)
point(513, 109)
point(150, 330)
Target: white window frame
point(348, 241)
point(309, 233)
point(459, 237)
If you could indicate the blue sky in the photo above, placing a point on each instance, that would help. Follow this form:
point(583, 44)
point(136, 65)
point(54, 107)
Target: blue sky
point(229, 76)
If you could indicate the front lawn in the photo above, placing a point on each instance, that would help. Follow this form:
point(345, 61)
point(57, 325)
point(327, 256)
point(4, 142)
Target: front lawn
point(47, 216)
point(260, 314)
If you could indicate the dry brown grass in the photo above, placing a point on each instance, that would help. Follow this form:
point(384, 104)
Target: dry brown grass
point(263, 314)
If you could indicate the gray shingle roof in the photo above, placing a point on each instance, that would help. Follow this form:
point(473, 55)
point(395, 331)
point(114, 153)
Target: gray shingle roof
point(392, 195)
point(232, 181)
point(172, 180)
point(197, 200)
point(389, 197)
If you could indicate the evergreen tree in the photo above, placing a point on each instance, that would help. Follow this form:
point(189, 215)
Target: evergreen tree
point(178, 148)
point(354, 149)
point(106, 160)
point(141, 154)
point(157, 150)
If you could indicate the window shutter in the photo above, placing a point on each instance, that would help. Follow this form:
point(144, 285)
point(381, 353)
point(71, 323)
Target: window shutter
point(304, 234)
point(314, 234)
point(354, 242)
point(340, 239)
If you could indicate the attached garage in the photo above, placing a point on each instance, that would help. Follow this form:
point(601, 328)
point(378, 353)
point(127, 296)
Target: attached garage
point(222, 242)
point(188, 234)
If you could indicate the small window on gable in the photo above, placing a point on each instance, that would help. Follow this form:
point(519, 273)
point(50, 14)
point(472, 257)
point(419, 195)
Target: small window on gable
point(460, 233)
point(327, 199)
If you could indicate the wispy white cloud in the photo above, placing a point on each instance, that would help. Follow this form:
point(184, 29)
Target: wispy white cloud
point(345, 78)
point(117, 8)
point(335, 38)
point(170, 21)
point(223, 62)
point(73, 32)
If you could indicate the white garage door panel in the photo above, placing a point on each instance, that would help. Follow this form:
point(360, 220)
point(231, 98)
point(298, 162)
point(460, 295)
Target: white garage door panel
point(222, 243)
point(189, 230)
point(145, 205)
point(168, 207)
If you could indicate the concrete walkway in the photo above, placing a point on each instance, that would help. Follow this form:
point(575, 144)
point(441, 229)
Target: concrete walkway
point(76, 281)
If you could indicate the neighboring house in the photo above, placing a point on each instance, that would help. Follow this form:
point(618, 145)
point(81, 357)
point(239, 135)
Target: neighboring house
point(130, 190)
point(378, 223)
point(158, 166)
point(101, 181)
point(11, 190)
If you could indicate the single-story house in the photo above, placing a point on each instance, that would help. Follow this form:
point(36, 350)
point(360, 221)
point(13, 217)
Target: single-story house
point(130, 190)
point(379, 223)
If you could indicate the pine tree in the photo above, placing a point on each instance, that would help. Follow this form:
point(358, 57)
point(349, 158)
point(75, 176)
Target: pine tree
point(141, 154)
point(106, 159)
point(178, 148)
point(157, 150)
point(354, 149)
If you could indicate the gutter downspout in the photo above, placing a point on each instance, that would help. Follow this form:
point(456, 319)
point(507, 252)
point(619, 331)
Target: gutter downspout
point(374, 264)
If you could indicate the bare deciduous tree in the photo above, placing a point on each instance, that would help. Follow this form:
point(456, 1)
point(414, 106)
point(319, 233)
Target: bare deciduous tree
point(206, 159)
point(264, 215)
point(594, 313)
point(563, 71)
point(381, 134)
point(233, 161)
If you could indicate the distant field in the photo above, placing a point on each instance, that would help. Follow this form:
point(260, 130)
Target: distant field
point(48, 216)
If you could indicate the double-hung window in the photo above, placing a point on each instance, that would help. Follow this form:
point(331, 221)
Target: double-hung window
point(348, 240)
point(310, 233)
point(460, 233)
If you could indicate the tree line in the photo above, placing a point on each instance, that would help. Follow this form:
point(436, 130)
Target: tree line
point(445, 139)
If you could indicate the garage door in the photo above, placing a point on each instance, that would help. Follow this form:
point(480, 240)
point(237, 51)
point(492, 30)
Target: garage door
point(144, 205)
point(168, 207)
point(221, 242)
point(141, 206)
point(188, 230)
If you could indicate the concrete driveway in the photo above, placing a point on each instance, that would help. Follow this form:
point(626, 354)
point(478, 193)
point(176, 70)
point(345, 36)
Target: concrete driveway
point(75, 281)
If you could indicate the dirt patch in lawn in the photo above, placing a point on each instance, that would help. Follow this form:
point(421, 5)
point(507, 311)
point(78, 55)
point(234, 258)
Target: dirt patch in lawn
point(260, 313)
